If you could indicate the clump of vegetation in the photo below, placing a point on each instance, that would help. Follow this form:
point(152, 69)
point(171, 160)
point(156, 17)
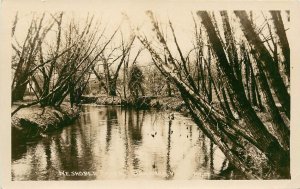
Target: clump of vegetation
point(135, 82)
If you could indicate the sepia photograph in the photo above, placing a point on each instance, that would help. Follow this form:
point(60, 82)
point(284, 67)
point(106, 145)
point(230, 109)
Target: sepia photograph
point(153, 94)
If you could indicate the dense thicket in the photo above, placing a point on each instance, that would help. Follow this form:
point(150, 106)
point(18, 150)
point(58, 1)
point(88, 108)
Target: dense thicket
point(238, 83)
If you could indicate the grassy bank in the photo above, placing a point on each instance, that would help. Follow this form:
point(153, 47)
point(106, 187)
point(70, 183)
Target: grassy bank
point(162, 103)
point(35, 121)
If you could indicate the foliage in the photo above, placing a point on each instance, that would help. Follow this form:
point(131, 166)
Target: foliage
point(135, 82)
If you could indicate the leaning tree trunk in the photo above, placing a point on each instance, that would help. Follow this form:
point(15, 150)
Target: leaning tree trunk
point(254, 126)
point(281, 130)
point(267, 61)
point(242, 141)
point(283, 41)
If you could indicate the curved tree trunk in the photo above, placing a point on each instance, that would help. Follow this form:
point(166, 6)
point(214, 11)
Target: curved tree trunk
point(267, 61)
point(266, 142)
point(245, 140)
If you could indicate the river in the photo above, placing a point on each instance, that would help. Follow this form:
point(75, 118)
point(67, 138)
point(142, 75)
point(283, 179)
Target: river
point(108, 142)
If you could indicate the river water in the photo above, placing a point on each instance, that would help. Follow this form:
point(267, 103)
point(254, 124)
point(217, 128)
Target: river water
point(108, 142)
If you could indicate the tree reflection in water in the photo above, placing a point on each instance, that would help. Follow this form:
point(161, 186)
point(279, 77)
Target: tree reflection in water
point(116, 143)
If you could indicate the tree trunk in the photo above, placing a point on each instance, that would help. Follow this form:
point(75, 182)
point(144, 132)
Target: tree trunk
point(107, 76)
point(113, 87)
point(19, 91)
point(254, 126)
point(283, 41)
point(281, 131)
point(267, 61)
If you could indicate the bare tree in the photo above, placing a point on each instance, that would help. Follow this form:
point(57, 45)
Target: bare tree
point(243, 138)
point(24, 55)
point(267, 61)
point(118, 54)
point(64, 69)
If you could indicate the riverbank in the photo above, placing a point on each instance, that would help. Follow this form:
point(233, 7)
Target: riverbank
point(34, 121)
point(161, 103)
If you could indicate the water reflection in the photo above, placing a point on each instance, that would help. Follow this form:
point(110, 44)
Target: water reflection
point(113, 143)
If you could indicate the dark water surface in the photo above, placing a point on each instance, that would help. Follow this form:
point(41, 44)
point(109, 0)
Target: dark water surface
point(108, 142)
